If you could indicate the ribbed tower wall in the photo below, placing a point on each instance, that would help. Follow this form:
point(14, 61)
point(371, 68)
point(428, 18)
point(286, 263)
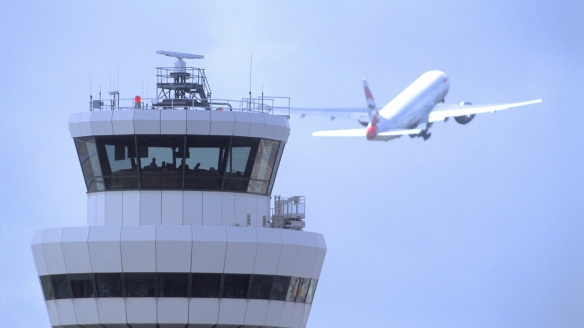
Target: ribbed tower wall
point(184, 243)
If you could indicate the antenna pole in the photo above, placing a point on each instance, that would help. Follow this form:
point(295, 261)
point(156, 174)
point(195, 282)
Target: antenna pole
point(250, 66)
point(90, 95)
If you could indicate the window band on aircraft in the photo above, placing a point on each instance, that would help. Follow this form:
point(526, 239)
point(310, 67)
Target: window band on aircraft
point(179, 284)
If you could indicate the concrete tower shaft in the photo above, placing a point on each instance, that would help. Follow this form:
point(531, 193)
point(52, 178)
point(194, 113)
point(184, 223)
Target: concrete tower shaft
point(179, 227)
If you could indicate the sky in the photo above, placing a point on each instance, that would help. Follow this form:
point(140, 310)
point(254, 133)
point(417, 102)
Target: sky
point(480, 226)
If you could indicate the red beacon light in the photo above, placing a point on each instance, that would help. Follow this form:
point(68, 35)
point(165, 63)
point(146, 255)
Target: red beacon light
point(137, 102)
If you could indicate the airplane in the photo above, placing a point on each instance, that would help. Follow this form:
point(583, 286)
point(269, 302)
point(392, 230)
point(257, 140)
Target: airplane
point(421, 103)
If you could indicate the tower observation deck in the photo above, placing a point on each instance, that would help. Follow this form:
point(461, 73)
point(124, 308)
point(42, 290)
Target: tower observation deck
point(180, 230)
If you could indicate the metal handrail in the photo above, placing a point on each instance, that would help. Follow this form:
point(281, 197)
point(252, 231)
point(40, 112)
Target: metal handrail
point(268, 105)
point(289, 206)
point(192, 81)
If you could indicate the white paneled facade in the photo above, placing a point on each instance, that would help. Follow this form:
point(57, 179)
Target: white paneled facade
point(194, 122)
point(76, 249)
point(178, 248)
point(105, 249)
point(53, 251)
point(139, 242)
point(173, 122)
point(101, 123)
point(138, 248)
point(241, 249)
point(174, 246)
point(123, 122)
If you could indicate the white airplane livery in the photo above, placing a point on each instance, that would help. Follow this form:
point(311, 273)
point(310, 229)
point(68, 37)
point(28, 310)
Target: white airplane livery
point(418, 105)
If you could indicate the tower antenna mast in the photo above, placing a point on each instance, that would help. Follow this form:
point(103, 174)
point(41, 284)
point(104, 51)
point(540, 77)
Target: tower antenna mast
point(250, 66)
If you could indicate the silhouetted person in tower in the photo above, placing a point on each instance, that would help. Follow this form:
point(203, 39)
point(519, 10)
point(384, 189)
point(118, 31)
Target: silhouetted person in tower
point(153, 164)
point(182, 163)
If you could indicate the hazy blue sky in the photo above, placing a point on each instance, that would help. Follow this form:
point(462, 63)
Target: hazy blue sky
point(480, 226)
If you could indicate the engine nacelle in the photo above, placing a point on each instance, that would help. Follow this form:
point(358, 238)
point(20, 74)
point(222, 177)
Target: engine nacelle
point(464, 118)
point(363, 120)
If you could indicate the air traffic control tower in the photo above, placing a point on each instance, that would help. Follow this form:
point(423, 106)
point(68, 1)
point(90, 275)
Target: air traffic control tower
point(179, 231)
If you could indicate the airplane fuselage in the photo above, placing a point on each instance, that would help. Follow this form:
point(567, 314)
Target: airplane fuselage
point(413, 105)
point(413, 111)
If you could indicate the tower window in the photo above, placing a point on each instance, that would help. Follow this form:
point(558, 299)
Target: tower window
point(175, 162)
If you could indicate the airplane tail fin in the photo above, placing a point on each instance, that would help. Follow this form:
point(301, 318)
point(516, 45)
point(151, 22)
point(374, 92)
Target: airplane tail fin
point(371, 107)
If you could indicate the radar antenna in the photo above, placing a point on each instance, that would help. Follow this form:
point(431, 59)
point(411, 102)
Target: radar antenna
point(183, 86)
point(179, 55)
point(179, 65)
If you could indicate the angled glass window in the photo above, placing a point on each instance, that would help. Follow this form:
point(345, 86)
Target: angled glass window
point(293, 289)
point(235, 285)
point(95, 184)
point(275, 168)
point(108, 284)
point(89, 160)
point(173, 284)
point(240, 163)
point(47, 284)
point(261, 286)
point(311, 291)
point(263, 166)
point(205, 160)
point(160, 161)
point(205, 285)
point(119, 164)
point(61, 286)
point(140, 284)
point(178, 162)
point(302, 290)
point(176, 284)
point(81, 285)
point(280, 288)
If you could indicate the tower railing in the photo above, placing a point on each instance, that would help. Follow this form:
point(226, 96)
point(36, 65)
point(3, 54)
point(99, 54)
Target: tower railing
point(267, 104)
point(288, 213)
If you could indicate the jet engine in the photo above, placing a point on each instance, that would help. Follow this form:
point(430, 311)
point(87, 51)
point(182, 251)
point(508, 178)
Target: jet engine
point(363, 120)
point(464, 118)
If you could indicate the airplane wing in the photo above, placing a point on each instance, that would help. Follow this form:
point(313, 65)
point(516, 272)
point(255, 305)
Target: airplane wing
point(442, 112)
point(332, 113)
point(363, 133)
point(341, 133)
point(327, 111)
